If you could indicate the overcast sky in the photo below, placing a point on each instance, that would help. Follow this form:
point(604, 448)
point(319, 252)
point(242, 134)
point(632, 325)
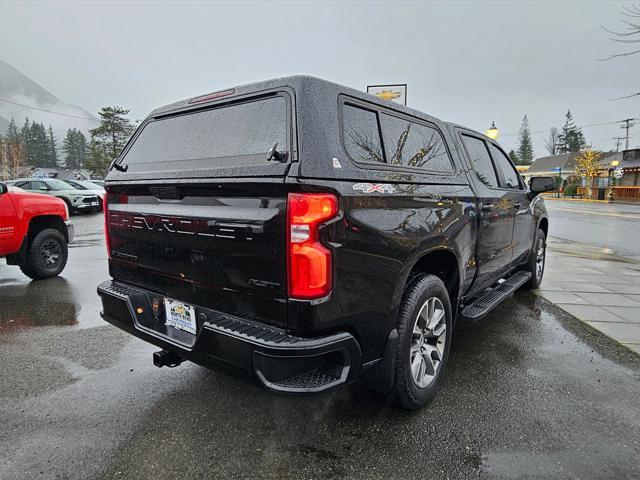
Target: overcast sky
point(471, 63)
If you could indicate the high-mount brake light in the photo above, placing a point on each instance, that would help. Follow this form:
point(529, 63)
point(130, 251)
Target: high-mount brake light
point(309, 262)
point(212, 96)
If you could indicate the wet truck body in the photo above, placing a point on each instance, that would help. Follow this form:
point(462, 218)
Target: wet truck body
point(273, 229)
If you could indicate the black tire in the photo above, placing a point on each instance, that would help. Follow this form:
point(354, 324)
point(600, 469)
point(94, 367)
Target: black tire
point(421, 290)
point(539, 245)
point(47, 255)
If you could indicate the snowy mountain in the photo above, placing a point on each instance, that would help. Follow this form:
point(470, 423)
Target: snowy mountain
point(21, 97)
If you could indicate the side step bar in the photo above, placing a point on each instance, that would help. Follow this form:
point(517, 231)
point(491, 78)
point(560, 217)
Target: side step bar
point(487, 302)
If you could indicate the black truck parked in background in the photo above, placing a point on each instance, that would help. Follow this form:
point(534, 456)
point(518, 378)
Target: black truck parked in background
point(306, 234)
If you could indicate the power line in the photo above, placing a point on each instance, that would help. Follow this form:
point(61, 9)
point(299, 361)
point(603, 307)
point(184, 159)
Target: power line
point(49, 111)
point(510, 134)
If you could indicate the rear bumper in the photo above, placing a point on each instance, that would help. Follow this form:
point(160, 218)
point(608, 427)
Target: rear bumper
point(276, 360)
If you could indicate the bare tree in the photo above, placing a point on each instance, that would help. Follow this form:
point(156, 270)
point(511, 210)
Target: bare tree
point(551, 143)
point(12, 156)
point(4, 159)
point(431, 147)
point(629, 36)
point(367, 144)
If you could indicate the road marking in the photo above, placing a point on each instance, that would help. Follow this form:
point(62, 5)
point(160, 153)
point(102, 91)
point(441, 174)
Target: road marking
point(593, 212)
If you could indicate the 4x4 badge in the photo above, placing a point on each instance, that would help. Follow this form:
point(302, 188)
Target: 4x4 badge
point(374, 187)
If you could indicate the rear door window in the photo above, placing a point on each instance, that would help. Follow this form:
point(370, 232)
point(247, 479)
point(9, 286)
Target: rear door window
point(480, 161)
point(361, 134)
point(412, 144)
point(230, 136)
point(509, 177)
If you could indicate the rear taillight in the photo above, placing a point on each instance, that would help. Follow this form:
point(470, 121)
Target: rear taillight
point(105, 209)
point(111, 199)
point(309, 262)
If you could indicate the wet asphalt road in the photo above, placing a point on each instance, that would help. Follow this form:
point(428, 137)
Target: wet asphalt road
point(610, 226)
point(529, 393)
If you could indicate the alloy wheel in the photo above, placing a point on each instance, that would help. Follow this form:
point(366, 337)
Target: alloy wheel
point(51, 253)
point(428, 342)
point(540, 251)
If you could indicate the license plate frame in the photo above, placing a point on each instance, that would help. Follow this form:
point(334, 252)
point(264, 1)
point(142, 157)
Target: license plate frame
point(180, 315)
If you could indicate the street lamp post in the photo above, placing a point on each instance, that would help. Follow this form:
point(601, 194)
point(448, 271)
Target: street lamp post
point(614, 164)
point(493, 132)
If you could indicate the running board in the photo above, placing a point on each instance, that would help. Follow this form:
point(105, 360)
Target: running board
point(484, 304)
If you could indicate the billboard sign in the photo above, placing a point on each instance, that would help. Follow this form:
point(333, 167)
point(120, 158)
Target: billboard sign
point(394, 93)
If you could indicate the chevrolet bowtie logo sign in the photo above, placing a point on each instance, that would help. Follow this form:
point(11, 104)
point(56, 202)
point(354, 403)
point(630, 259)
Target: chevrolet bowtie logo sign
point(392, 93)
point(388, 94)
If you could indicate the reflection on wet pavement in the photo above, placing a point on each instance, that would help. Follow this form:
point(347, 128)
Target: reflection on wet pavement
point(34, 304)
point(69, 299)
point(529, 393)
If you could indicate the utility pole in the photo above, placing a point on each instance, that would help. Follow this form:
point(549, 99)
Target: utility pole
point(627, 125)
point(618, 140)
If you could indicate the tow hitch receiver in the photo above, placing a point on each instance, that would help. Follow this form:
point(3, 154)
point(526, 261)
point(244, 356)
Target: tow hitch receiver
point(163, 358)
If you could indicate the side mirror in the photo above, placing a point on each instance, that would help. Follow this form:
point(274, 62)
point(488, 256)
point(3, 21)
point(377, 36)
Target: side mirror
point(542, 184)
point(4, 188)
point(44, 187)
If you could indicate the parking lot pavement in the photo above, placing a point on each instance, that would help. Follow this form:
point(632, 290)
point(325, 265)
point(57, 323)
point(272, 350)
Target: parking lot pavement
point(529, 393)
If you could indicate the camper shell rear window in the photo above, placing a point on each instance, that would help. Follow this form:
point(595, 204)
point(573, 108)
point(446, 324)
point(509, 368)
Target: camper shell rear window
point(232, 135)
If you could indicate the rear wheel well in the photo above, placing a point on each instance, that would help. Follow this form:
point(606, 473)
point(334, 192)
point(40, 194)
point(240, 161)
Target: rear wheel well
point(444, 265)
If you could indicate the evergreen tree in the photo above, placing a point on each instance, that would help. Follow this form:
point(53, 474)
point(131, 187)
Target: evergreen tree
point(74, 147)
point(114, 130)
point(98, 158)
point(52, 154)
point(514, 157)
point(36, 142)
point(25, 134)
point(12, 132)
point(570, 138)
point(525, 149)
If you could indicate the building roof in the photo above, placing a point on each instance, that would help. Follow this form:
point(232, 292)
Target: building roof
point(566, 161)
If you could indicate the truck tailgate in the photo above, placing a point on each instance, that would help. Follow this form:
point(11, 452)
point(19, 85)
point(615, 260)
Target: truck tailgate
point(221, 246)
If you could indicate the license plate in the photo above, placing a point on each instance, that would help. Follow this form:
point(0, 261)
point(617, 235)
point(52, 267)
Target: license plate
point(94, 204)
point(180, 315)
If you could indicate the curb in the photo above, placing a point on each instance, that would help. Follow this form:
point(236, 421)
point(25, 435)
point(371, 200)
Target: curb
point(588, 200)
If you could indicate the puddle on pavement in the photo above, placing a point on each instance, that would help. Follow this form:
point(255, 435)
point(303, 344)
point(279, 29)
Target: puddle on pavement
point(34, 304)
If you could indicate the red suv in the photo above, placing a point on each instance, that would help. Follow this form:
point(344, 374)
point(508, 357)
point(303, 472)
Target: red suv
point(34, 232)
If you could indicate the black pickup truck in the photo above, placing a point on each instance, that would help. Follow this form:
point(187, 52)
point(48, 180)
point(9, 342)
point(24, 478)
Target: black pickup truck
point(305, 234)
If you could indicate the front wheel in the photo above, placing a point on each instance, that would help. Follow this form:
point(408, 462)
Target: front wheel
point(47, 255)
point(424, 335)
point(536, 261)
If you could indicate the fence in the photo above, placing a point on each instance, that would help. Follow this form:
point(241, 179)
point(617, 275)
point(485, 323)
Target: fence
point(619, 193)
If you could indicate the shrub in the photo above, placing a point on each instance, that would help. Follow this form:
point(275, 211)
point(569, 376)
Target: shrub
point(570, 190)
